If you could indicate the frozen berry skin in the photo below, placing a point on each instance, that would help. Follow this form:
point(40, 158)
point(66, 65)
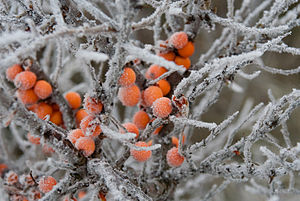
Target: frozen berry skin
point(151, 94)
point(129, 96)
point(141, 119)
point(25, 80)
point(46, 184)
point(85, 144)
point(162, 107)
point(142, 155)
point(131, 128)
point(155, 71)
point(74, 135)
point(13, 71)
point(92, 105)
point(42, 89)
point(73, 99)
point(127, 78)
point(187, 50)
point(179, 40)
point(174, 159)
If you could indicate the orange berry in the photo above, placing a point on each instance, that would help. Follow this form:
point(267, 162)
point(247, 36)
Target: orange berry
point(46, 184)
point(156, 131)
point(175, 140)
point(186, 62)
point(43, 109)
point(13, 71)
point(142, 155)
point(162, 107)
point(86, 144)
point(80, 114)
point(42, 89)
point(154, 71)
point(56, 118)
point(174, 159)
point(3, 167)
point(187, 50)
point(81, 194)
point(90, 126)
point(149, 143)
point(92, 105)
point(27, 96)
point(129, 96)
point(128, 77)
point(165, 86)
point(11, 178)
point(151, 94)
point(141, 119)
point(25, 80)
point(131, 128)
point(179, 40)
point(74, 135)
point(102, 196)
point(170, 56)
point(73, 99)
point(33, 139)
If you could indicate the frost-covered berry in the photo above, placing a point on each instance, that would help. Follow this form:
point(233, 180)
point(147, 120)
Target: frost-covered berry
point(73, 99)
point(178, 39)
point(141, 119)
point(42, 89)
point(27, 97)
point(162, 107)
point(151, 94)
point(187, 50)
point(56, 118)
point(131, 128)
point(154, 71)
point(174, 159)
point(80, 115)
point(186, 62)
point(90, 126)
point(74, 135)
point(170, 56)
point(128, 77)
point(175, 140)
point(46, 184)
point(129, 96)
point(165, 86)
point(42, 109)
point(13, 71)
point(142, 155)
point(3, 167)
point(25, 80)
point(92, 105)
point(85, 144)
point(33, 139)
point(11, 178)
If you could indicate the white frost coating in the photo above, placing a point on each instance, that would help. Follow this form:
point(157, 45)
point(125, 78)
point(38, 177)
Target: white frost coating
point(150, 148)
point(192, 122)
point(16, 36)
point(92, 56)
point(116, 135)
point(152, 58)
point(235, 87)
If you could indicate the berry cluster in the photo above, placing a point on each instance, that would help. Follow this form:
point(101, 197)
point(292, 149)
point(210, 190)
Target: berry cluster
point(153, 100)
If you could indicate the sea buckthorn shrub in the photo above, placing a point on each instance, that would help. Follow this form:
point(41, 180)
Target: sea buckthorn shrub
point(149, 100)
